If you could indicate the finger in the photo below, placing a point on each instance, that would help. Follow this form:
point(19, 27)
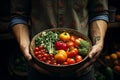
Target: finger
point(87, 64)
point(27, 54)
point(94, 51)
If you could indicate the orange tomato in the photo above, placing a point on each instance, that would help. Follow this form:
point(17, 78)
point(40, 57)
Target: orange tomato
point(78, 40)
point(62, 52)
point(61, 56)
point(107, 57)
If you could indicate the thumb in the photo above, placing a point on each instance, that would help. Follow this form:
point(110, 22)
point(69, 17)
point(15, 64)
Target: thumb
point(27, 55)
point(92, 52)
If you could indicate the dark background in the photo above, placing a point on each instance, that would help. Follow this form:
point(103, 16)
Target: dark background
point(9, 45)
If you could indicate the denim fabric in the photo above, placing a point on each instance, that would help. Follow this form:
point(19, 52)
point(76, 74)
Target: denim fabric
point(101, 17)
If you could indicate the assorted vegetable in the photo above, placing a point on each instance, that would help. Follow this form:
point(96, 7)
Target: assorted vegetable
point(60, 48)
point(113, 60)
point(47, 39)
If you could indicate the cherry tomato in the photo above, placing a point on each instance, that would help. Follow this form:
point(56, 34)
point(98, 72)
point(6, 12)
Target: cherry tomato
point(48, 62)
point(36, 49)
point(36, 53)
point(65, 63)
point(45, 55)
point(41, 47)
point(39, 56)
point(70, 60)
point(78, 58)
point(61, 56)
point(65, 36)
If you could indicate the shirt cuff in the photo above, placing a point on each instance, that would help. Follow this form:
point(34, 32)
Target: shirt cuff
point(101, 17)
point(17, 20)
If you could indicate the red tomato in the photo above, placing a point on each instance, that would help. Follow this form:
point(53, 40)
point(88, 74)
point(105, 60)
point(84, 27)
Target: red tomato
point(71, 52)
point(61, 45)
point(45, 55)
point(75, 51)
point(78, 58)
point(70, 60)
point(39, 56)
point(48, 62)
point(36, 49)
point(65, 63)
point(36, 53)
point(70, 44)
point(41, 47)
point(72, 38)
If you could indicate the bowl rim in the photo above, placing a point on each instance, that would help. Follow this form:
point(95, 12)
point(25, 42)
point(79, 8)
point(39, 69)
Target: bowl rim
point(61, 29)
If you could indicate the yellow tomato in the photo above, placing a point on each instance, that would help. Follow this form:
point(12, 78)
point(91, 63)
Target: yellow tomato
point(114, 56)
point(65, 36)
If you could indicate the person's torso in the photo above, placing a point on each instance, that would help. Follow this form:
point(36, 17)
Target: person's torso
point(60, 13)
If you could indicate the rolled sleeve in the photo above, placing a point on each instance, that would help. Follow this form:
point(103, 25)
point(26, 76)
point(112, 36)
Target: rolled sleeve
point(100, 17)
point(17, 20)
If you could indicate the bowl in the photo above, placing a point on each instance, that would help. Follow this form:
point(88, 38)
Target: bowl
point(60, 68)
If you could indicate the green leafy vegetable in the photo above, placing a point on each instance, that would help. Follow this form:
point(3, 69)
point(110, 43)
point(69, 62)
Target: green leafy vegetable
point(83, 51)
point(84, 47)
point(84, 44)
point(47, 39)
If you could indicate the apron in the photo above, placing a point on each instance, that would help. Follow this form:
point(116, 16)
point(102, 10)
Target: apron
point(48, 14)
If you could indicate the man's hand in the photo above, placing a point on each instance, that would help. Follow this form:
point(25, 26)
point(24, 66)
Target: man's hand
point(92, 56)
point(21, 33)
point(97, 31)
point(28, 57)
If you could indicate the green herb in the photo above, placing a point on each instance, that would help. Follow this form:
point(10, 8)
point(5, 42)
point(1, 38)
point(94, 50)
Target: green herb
point(47, 39)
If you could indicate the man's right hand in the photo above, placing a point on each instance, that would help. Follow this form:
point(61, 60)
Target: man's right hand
point(21, 33)
point(28, 57)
